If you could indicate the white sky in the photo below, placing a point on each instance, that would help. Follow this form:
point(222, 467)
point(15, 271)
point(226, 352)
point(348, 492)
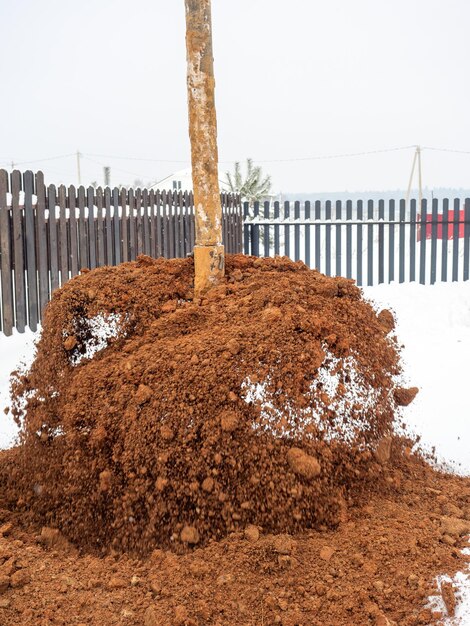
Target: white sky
point(295, 79)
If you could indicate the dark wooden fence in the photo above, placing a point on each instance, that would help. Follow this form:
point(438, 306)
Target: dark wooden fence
point(366, 240)
point(48, 234)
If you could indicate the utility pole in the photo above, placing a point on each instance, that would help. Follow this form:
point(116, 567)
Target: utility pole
point(78, 168)
point(416, 158)
point(107, 175)
point(208, 251)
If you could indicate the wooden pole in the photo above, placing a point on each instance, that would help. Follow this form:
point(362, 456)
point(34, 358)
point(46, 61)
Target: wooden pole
point(208, 251)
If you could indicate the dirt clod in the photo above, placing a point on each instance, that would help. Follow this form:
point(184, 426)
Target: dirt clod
point(302, 463)
point(403, 396)
point(190, 535)
point(448, 595)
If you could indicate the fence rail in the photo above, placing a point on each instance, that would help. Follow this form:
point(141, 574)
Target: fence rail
point(367, 241)
point(48, 234)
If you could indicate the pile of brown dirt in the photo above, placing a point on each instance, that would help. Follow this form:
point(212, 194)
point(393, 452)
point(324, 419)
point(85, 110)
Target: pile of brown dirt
point(224, 460)
point(376, 569)
point(270, 401)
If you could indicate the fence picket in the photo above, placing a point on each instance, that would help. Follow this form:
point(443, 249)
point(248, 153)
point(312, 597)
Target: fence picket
point(286, 228)
point(18, 252)
point(307, 233)
point(296, 231)
point(166, 226)
point(63, 243)
point(116, 227)
point(266, 229)
point(132, 226)
point(413, 240)
point(317, 235)
point(359, 244)
point(445, 238)
point(348, 239)
point(100, 228)
point(381, 242)
point(91, 227)
point(255, 231)
point(370, 243)
point(82, 230)
point(158, 224)
point(391, 241)
point(455, 242)
point(422, 242)
point(53, 244)
point(108, 226)
point(401, 242)
point(145, 223)
point(71, 202)
point(328, 238)
point(124, 224)
point(277, 239)
point(433, 241)
point(338, 237)
point(8, 313)
point(171, 224)
point(30, 247)
point(41, 243)
point(466, 240)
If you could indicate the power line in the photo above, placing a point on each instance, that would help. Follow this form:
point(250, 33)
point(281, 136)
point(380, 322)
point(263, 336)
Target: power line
point(61, 156)
point(335, 156)
point(110, 156)
point(446, 150)
point(119, 169)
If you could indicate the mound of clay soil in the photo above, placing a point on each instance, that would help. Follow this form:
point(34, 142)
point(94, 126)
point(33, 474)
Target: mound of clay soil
point(377, 568)
point(153, 419)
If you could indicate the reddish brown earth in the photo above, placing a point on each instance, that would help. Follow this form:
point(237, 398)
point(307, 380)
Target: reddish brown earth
point(146, 490)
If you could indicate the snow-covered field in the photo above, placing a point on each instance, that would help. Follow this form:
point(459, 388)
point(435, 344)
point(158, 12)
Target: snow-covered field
point(433, 324)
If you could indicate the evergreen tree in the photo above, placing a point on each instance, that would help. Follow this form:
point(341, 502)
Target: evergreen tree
point(252, 187)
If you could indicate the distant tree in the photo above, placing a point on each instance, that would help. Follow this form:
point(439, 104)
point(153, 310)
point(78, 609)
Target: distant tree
point(253, 186)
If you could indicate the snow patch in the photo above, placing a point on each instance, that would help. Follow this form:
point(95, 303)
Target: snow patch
point(339, 401)
point(99, 330)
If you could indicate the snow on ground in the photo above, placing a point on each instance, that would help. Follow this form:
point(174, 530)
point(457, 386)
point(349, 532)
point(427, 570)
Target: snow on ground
point(15, 351)
point(433, 324)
